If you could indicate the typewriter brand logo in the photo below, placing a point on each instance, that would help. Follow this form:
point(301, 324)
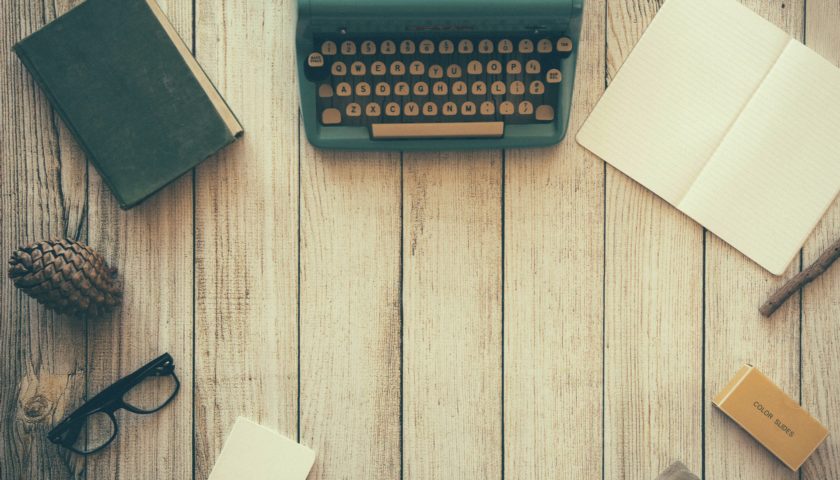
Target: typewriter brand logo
point(441, 28)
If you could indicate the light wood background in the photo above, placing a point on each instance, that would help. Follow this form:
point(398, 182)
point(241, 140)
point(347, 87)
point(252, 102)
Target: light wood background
point(523, 314)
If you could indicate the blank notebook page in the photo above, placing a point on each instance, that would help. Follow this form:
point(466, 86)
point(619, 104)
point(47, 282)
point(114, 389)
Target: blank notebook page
point(690, 113)
point(774, 175)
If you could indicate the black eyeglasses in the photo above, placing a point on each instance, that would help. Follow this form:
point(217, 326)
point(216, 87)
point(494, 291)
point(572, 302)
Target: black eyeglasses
point(93, 426)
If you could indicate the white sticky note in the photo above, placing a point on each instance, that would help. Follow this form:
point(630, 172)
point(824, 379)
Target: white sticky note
point(255, 452)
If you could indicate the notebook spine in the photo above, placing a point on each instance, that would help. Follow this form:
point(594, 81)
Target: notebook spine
point(20, 51)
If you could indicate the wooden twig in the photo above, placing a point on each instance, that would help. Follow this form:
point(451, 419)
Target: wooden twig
point(677, 471)
point(801, 279)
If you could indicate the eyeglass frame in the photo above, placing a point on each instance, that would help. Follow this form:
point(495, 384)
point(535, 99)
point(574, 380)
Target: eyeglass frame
point(109, 400)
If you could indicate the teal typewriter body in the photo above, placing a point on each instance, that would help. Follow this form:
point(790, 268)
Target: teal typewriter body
point(436, 74)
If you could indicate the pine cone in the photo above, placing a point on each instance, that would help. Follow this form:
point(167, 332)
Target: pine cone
point(65, 276)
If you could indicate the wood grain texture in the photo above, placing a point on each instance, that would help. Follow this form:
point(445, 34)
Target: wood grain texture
point(246, 336)
point(452, 325)
point(653, 318)
point(42, 195)
point(736, 333)
point(350, 313)
point(553, 317)
point(152, 247)
point(820, 308)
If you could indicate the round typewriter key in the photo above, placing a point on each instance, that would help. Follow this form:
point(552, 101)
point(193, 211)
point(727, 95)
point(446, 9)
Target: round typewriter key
point(526, 46)
point(378, 68)
point(401, 89)
point(328, 48)
point(411, 109)
point(532, 67)
point(417, 68)
point(348, 48)
point(505, 46)
point(407, 47)
point(545, 46)
point(383, 89)
point(315, 60)
point(430, 109)
point(353, 110)
point(449, 109)
point(465, 47)
point(479, 88)
point(331, 116)
point(421, 89)
point(446, 47)
point(388, 47)
point(435, 71)
point(343, 89)
point(392, 109)
point(339, 69)
point(545, 113)
point(363, 89)
point(357, 69)
point(526, 108)
point(553, 76)
point(440, 88)
point(459, 88)
point(475, 68)
point(468, 109)
point(498, 88)
point(397, 68)
point(325, 91)
point(372, 110)
point(564, 45)
point(536, 88)
point(506, 108)
point(494, 67)
point(427, 47)
point(453, 71)
point(487, 108)
point(368, 48)
point(485, 46)
point(517, 88)
point(514, 67)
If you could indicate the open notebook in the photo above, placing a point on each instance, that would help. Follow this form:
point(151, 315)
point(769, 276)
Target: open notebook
point(729, 119)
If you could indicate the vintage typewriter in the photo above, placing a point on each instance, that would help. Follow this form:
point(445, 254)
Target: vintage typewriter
point(436, 74)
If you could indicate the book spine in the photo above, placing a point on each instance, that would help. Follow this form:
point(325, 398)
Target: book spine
point(20, 51)
point(221, 106)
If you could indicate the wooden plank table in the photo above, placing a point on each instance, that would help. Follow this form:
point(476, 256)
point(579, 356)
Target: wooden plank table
point(522, 314)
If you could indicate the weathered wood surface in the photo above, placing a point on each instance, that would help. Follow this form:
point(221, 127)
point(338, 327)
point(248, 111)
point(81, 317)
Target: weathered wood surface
point(820, 392)
point(653, 298)
point(517, 314)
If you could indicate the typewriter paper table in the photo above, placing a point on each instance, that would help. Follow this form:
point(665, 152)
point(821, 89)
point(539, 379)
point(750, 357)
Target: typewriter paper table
point(496, 314)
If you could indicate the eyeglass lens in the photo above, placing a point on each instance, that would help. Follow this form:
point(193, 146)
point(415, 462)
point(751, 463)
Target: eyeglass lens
point(152, 393)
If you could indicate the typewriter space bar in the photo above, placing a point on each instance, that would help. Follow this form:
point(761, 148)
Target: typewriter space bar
point(438, 130)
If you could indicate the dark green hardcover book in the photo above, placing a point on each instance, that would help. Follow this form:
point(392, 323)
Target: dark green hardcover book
point(131, 93)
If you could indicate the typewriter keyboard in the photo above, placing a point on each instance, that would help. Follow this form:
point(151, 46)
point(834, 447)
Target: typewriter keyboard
point(469, 87)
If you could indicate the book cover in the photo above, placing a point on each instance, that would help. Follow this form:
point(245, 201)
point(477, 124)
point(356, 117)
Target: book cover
point(129, 90)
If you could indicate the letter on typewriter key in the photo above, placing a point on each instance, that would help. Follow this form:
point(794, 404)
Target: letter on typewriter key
point(377, 68)
point(392, 109)
point(485, 46)
point(372, 109)
point(354, 110)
